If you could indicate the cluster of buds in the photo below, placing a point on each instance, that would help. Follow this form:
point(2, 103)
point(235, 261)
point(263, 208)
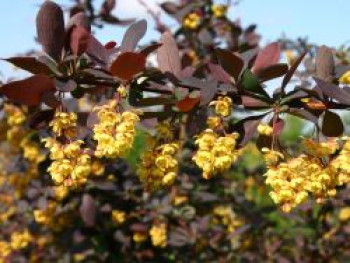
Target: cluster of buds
point(158, 234)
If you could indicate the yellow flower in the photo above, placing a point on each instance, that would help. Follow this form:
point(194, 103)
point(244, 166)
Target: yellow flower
point(290, 57)
point(180, 199)
point(115, 132)
point(345, 78)
point(139, 237)
point(213, 122)
point(158, 235)
point(223, 106)
point(64, 124)
point(265, 129)
point(344, 214)
point(15, 115)
point(320, 149)
point(159, 166)
point(20, 240)
point(271, 157)
point(5, 249)
point(164, 131)
point(215, 154)
point(191, 21)
point(118, 216)
point(219, 11)
point(122, 92)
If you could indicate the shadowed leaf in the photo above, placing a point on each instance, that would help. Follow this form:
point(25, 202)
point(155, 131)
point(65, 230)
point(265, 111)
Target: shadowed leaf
point(30, 64)
point(268, 56)
point(332, 125)
point(87, 210)
point(272, 72)
point(333, 91)
point(50, 28)
point(28, 91)
point(187, 104)
point(231, 63)
point(79, 40)
point(133, 35)
point(292, 70)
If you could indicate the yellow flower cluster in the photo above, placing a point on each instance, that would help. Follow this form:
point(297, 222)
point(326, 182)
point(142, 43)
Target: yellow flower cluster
point(214, 122)
point(218, 10)
point(223, 106)
point(32, 151)
point(345, 78)
point(20, 240)
point(15, 117)
point(139, 237)
point(118, 216)
point(293, 180)
point(159, 166)
point(5, 249)
point(344, 214)
point(227, 217)
point(64, 124)
point(265, 129)
point(158, 234)
point(115, 132)
point(71, 164)
point(192, 21)
point(215, 154)
point(164, 131)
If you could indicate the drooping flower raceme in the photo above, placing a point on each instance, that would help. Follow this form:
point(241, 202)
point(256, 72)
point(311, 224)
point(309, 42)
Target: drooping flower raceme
point(115, 132)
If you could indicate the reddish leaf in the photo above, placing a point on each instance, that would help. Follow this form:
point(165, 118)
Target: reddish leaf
point(169, 7)
point(292, 70)
point(28, 91)
point(278, 127)
point(50, 99)
point(30, 64)
point(133, 35)
point(50, 28)
point(333, 91)
point(80, 19)
point(88, 210)
point(249, 102)
point(79, 40)
point(272, 72)
point(110, 45)
point(268, 56)
point(96, 50)
point(168, 55)
point(149, 49)
point(231, 63)
point(187, 104)
point(127, 65)
point(219, 73)
point(41, 119)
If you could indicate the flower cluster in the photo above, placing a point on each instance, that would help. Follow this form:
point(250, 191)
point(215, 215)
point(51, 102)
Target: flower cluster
point(15, 116)
point(294, 179)
point(265, 129)
point(219, 11)
point(215, 154)
point(192, 21)
point(158, 166)
point(20, 240)
point(115, 132)
point(64, 124)
point(158, 234)
point(71, 164)
point(345, 78)
point(223, 106)
point(226, 216)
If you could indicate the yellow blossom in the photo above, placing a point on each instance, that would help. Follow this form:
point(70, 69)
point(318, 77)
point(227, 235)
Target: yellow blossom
point(122, 92)
point(118, 216)
point(320, 149)
point(265, 129)
point(139, 237)
point(64, 124)
point(15, 115)
point(223, 106)
point(5, 249)
point(20, 240)
point(213, 122)
point(344, 214)
point(218, 10)
point(164, 131)
point(158, 235)
point(345, 78)
point(191, 21)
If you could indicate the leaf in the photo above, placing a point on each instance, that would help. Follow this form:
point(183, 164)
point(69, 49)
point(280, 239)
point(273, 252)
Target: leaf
point(168, 55)
point(127, 65)
point(28, 91)
point(30, 64)
point(306, 115)
point(325, 64)
point(333, 91)
point(268, 56)
point(292, 70)
point(272, 72)
point(278, 127)
point(251, 83)
point(332, 125)
point(79, 19)
point(96, 50)
point(247, 127)
point(187, 104)
point(50, 99)
point(40, 119)
point(110, 45)
point(230, 62)
point(253, 103)
point(169, 7)
point(208, 91)
point(219, 73)
point(149, 49)
point(50, 29)
point(87, 210)
point(133, 35)
point(68, 86)
point(79, 40)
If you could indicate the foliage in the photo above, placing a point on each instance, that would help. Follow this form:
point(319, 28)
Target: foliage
point(108, 156)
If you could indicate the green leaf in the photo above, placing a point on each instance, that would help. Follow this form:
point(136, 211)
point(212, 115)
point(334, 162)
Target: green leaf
point(251, 83)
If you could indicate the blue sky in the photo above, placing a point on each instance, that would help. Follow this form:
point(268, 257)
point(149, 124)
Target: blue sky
point(323, 21)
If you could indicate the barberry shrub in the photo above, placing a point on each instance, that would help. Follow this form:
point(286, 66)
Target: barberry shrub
point(109, 155)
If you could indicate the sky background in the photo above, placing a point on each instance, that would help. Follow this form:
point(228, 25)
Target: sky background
point(322, 21)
